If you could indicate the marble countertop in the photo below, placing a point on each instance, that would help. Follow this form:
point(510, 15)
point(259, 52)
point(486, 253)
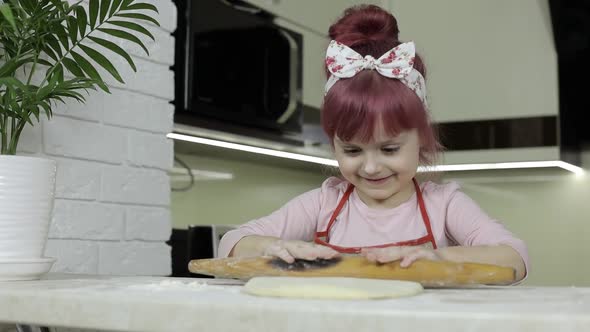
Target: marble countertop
point(183, 304)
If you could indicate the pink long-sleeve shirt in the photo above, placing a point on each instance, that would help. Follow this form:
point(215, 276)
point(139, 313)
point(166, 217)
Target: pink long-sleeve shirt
point(455, 219)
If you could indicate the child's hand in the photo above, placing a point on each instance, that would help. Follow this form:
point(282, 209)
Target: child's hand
point(407, 254)
point(290, 250)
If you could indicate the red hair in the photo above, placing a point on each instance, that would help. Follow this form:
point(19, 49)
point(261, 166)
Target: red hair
point(354, 107)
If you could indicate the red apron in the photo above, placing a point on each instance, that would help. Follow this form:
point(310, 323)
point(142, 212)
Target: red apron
point(323, 238)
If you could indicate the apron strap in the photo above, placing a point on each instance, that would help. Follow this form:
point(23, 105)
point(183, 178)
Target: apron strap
point(423, 212)
point(336, 212)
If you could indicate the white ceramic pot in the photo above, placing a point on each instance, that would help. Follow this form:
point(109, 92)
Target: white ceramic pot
point(27, 190)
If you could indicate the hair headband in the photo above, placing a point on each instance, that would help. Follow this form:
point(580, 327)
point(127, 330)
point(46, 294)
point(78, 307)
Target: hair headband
point(344, 62)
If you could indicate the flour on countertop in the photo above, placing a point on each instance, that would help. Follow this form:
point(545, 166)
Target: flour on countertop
point(176, 285)
point(191, 285)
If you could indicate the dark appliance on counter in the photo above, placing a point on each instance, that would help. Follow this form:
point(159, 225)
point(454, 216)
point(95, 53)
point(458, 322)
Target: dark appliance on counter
point(194, 242)
point(236, 70)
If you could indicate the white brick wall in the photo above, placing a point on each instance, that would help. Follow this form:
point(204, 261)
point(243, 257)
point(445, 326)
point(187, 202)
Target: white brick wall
point(112, 208)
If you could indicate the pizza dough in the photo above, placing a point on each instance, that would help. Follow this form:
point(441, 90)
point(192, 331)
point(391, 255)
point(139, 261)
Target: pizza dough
point(331, 288)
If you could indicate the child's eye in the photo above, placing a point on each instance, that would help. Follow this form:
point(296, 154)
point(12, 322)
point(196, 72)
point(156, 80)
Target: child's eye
point(390, 150)
point(351, 151)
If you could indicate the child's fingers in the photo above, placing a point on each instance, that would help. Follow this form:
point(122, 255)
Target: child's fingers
point(325, 252)
point(279, 249)
point(284, 254)
point(303, 250)
point(369, 254)
point(291, 250)
point(389, 255)
point(312, 251)
point(382, 255)
point(411, 258)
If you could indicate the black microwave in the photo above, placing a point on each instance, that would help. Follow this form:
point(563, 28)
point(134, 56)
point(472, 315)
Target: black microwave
point(236, 69)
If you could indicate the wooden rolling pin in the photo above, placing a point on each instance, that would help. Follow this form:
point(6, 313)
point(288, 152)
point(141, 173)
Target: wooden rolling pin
point(428, 273)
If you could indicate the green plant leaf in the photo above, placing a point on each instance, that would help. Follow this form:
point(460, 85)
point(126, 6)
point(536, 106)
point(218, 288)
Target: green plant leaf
point(114, 6)
point(45, 62)
point(140, 6)
point(58, 4)
point(27, 118)
point(69, 94)
point(13, 104)
point(47, 49)
point(11, 81)
point(102, 61)
point(59, 73)
point(73, 67)
point(62, 36)
point(115, 48)
point(132, 26)
point(55, 76)
point(82, 20)
point(104, 9)
point(10, 48)
point(74, 6)
point(46, 106)
point(64, 90)
point(7, 13)
point(139, 16)
point(90, 71)
point(67, 88)
point(57, 98)
point(35, 110)
point(79, 83)
point(10, 67)
point(54, 43)
point(124, 35)
point(93, 11)
point(73, 28)
point(74, 84)
point(27, 5)
point(73, 94)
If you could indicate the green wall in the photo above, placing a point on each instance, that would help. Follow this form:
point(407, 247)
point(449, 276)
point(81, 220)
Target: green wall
point(550, 211)
point(259, 186)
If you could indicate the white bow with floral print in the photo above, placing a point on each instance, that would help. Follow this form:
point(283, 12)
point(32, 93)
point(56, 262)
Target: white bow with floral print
point(398, 63)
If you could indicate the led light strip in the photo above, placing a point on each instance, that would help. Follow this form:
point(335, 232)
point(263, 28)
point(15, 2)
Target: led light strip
point(254, 149)
point(331, 162)
point(508, 165)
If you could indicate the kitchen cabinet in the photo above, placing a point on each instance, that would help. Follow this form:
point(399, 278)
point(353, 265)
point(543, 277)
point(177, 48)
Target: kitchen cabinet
point(492, 79)
point(186, 304)
point(485, 59)
point(311, 19)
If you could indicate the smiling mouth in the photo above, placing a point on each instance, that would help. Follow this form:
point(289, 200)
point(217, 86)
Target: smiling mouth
point(380, 180)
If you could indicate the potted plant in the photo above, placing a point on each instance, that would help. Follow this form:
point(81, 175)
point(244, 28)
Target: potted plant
point(51, 52)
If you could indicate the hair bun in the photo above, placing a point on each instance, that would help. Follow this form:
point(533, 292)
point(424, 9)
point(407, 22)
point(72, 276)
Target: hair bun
point(363, 25)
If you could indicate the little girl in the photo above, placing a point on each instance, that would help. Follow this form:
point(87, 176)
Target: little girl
point(376, 116)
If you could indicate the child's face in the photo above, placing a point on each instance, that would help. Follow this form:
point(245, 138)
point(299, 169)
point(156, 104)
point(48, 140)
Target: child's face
point(381, 170)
